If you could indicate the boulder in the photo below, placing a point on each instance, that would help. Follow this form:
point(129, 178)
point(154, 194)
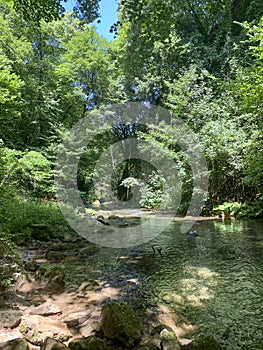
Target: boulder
point(89, 343)
point(203, 343)
point(10, 318)
point(52, 344)
point(45, 309)
point(120, 322)
point(14, 344)
point(37, 328)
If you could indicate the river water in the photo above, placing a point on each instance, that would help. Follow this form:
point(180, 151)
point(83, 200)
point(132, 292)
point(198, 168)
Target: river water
point(214, 280)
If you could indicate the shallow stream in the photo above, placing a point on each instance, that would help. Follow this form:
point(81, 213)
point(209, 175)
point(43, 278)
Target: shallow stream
point(214, 280)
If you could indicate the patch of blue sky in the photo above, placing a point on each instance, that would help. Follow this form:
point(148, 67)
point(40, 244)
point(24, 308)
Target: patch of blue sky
point(109, 15)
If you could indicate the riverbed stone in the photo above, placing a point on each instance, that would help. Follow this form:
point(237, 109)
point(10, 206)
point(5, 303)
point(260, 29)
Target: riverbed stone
point(37, 328)
point(52, 344)
point(120, 322)
point(203, 343)
point(46, 309)
point(169, 340)
point(14, 344)
point(89, 343)
point(10, 318)
point(76, 318)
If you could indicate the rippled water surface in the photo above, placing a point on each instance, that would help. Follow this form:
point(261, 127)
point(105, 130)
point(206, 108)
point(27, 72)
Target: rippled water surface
point(214, 280)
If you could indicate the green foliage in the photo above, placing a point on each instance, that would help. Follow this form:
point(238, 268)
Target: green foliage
point(26, 172)
point(237, 209)
point(49, 10)
point(9, 261)
point(187, 56)
point(18, 214)
point(35, 174)
point(153, 195)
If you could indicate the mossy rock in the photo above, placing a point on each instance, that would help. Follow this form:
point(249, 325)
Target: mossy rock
point(120, 322)
point(15, 344)
point(89, 343)
point(203, 343)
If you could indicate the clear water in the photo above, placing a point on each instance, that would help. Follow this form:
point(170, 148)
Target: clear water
point(214, 280)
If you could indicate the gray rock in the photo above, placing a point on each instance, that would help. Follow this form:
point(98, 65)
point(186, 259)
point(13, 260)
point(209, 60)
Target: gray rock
point(120, 322)
point(52, 344)
point(89, 343)
point(15, 344)
point(37, 328)
point(10, 318)
point(45, 309)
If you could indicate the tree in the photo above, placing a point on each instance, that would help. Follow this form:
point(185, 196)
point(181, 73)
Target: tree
point(48, 10)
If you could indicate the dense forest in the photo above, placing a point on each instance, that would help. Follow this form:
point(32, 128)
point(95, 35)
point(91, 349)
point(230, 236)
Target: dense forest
point(200, 60)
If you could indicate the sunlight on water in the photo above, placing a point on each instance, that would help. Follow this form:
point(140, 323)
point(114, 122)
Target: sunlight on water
point(215, 280)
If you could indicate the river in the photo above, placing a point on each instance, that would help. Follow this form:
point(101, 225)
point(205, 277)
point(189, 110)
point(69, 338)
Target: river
point(215, 280)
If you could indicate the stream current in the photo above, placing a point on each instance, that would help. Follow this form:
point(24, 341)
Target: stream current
point(214, 280)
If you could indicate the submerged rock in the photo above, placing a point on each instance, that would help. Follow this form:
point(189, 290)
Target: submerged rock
point(52, 344)
point(89, 343)
point(37, 328)
point(15, 344)
point(120, 322)
point(169, 340)
point(203, 343)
